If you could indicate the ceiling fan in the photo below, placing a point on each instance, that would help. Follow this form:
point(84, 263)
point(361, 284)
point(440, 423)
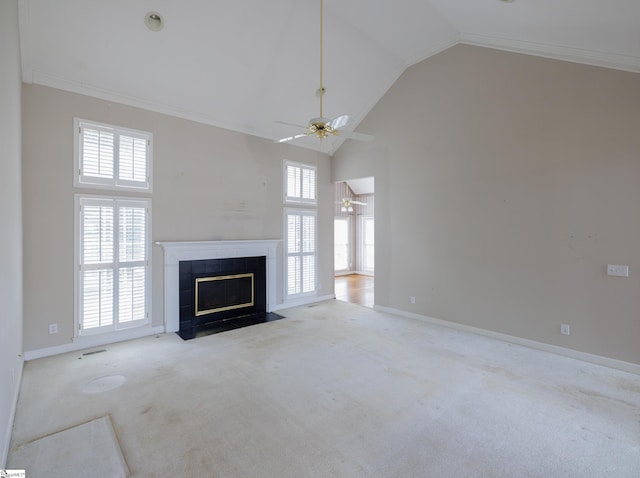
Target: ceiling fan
point(322, 127)
point(347, 204)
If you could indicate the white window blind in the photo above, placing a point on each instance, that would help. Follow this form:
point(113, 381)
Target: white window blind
point(97, 148)
point(301, 252)
point(112, 157)
point(300, 182)
point(133, 159)
point(113, 268)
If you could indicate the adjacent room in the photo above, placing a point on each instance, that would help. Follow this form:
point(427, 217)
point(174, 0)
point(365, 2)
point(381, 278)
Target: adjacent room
point(354, 241)
point(320, 238)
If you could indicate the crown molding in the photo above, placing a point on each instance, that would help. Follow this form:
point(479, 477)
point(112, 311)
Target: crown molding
point(424, 54)
point(575, 55)
point(86, 89)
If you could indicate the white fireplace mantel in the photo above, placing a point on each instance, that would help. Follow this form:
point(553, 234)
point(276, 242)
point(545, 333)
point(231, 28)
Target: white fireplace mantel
point(174, 252)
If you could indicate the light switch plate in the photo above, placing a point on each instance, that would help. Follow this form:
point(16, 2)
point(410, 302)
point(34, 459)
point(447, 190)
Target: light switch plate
point(618, 271)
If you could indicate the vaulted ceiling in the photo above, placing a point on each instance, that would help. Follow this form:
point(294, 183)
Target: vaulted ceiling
point(248, 65)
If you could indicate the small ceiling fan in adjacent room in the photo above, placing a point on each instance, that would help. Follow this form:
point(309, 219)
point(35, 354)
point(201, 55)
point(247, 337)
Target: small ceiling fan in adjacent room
point(347, 204)
point(322, 127)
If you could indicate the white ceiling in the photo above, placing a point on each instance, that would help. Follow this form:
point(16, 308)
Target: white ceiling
point(244, 65)
point(362, 186)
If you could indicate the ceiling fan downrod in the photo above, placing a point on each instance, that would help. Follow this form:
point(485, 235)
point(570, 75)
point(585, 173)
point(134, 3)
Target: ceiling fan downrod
point(321, 89)
point(321, 126)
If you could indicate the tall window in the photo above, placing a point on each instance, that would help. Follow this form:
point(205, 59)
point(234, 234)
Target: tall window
point(301, 252)
point(300, 233)
point(111, 157)
point(113, 263)
point(112, 233)
point(367, 243)
point(341, 244)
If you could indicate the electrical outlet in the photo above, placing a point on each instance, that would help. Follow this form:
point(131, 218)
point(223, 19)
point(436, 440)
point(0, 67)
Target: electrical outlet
point(412, 299)
point(565, 329)
point(53, 329)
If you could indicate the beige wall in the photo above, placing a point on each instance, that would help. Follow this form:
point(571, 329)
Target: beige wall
point(511, 182)
point(208, 184)
point(10, 222)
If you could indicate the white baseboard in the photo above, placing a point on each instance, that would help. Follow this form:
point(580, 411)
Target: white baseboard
point(12, 416)
point(359, 273)
point(80, 343)
point(554, 349)
point(288, 304)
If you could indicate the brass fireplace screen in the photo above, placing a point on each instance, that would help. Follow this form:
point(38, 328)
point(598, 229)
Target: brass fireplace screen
point(222, 293)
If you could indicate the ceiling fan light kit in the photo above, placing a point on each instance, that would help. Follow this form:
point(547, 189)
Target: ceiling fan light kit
point(322, 127)
point(347, 204)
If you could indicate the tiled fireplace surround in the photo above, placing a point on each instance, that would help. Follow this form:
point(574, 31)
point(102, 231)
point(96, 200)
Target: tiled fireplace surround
point(174, 252)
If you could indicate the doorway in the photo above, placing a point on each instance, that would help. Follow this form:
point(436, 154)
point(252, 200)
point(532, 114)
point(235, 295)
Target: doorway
point(354, 241)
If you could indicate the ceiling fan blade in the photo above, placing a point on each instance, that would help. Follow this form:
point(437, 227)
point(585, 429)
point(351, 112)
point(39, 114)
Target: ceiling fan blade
point(339, 122)
point(351, 201)
point(356, 136)
point(290, 138)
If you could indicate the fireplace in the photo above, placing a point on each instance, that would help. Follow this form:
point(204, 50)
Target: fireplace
point(236, 259)
point(221, 293)
point(214, 292)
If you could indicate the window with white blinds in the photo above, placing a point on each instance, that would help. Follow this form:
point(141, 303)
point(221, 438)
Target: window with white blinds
point(300, 183)
point(300, 189)
point(300, 252)
point(111, 157)
point(113, 263)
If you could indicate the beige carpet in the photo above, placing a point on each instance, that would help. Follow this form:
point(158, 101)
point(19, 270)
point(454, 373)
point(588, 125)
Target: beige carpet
point(338, 390)
point(73, 452)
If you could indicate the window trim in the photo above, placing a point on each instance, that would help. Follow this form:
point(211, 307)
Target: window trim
point(299, 200)
point(114, 183)
point(115, 327)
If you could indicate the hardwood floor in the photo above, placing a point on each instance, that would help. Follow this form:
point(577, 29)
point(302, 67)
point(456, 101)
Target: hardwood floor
point(355, 288)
